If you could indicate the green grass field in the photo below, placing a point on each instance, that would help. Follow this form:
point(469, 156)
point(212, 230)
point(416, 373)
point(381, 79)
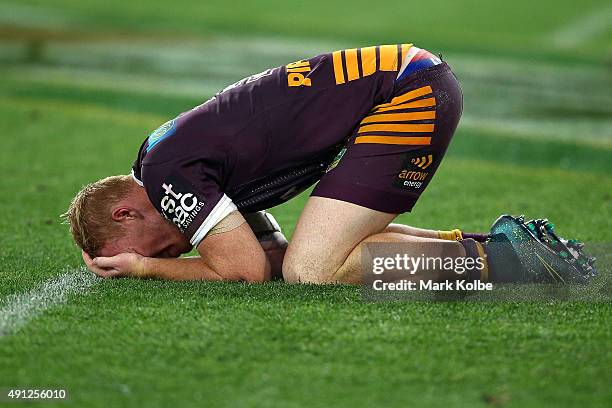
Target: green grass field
point(82, 83)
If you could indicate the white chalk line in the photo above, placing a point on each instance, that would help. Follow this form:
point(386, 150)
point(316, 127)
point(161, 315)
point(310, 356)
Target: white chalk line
point(583, 28)
point(17, 310)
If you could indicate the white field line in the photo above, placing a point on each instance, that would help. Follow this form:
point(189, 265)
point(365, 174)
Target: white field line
point(19, 309)
point(583, 28)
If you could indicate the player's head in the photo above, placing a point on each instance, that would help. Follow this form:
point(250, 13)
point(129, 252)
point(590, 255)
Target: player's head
point(114, 215)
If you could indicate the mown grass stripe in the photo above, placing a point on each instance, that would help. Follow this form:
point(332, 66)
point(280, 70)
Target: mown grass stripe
point(19, 309)
point(584, 28)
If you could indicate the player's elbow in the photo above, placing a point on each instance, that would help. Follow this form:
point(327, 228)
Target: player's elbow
point(257, 276)
point(260, 270)
point(254, 269)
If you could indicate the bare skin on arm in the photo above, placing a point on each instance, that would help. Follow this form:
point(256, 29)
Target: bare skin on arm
point(149, 247)
point(233, 255)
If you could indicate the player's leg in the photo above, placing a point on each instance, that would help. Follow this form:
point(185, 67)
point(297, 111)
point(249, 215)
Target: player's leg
point(326, 233)
point(327, 241)
point(450, 235)
point(412, 231)
point(386, 165)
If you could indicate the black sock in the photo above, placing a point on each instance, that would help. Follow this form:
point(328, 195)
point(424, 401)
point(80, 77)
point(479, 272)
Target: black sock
point(476, 236)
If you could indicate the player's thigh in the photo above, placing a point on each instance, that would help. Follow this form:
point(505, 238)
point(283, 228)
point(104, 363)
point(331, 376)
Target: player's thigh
point(326, 233)
point(382, 171)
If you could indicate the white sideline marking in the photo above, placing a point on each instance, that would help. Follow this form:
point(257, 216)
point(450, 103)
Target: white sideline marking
point(19, 309)
point(583, 28)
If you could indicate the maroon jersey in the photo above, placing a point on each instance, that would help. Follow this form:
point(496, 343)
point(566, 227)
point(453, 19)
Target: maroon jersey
point(264, 139)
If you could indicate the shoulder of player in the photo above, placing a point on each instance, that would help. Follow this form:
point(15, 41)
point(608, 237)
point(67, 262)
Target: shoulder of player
point(188, 138)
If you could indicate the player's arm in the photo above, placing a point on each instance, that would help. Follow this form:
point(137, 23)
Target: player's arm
point(232, 255)
point(235, 255)
point(230, 251)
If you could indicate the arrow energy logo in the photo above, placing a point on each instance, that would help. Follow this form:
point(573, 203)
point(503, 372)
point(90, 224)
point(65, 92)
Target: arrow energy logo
point(423, 162)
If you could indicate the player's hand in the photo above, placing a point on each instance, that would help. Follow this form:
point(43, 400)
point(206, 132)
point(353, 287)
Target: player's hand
point(125, 264)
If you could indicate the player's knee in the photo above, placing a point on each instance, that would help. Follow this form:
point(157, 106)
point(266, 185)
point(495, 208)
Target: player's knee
point(295, 271)
point(290, 272)
point(300, 269)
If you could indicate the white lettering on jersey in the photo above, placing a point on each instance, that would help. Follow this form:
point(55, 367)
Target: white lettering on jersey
point(180, 208)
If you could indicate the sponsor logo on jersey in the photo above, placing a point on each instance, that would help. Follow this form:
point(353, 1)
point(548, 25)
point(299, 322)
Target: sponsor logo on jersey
point(297, 73)
point(423, 162)
point(162, 132)
point(178, 204)
point(411, 175)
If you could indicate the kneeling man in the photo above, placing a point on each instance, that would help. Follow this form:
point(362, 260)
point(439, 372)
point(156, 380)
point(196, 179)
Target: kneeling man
point(370, 125)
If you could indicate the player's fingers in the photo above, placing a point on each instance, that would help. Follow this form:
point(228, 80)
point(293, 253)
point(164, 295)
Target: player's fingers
point(101, 272)
point(106, 262)
point(86, 258)
point(95, 269)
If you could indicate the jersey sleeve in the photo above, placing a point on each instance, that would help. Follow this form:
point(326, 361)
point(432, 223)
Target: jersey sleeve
point(136, 166)
point(187, 195)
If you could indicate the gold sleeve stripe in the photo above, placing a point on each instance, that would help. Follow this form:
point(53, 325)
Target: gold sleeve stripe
point(405, 48)
point(368, 60)
point(394, 140)
point(422, 103)
point(399, 117)
point(353, 63)
point(408, 96)
point(395, 127)
point(352, 69)
point(388, 57)
point(338, 67)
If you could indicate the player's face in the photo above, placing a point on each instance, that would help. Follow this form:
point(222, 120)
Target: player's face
point(159, 238)
point(153, 236)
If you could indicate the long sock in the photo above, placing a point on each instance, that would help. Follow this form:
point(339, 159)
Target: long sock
point(476, 236)
point(458, 235)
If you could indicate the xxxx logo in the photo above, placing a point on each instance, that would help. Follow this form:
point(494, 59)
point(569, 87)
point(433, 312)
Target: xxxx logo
point(423, 162)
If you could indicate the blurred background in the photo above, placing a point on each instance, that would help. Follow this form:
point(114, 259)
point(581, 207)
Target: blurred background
point(83, 82)
point(535, 69)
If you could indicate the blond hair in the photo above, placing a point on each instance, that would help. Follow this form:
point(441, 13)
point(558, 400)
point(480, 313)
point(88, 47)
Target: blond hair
point(89, 213)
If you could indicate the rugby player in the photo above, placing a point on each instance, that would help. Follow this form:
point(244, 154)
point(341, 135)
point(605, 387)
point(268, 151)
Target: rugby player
point(370, 125)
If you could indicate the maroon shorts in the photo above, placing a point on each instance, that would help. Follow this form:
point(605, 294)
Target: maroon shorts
point(395, 151)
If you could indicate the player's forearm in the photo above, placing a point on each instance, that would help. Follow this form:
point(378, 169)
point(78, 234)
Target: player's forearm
point(180, 269)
